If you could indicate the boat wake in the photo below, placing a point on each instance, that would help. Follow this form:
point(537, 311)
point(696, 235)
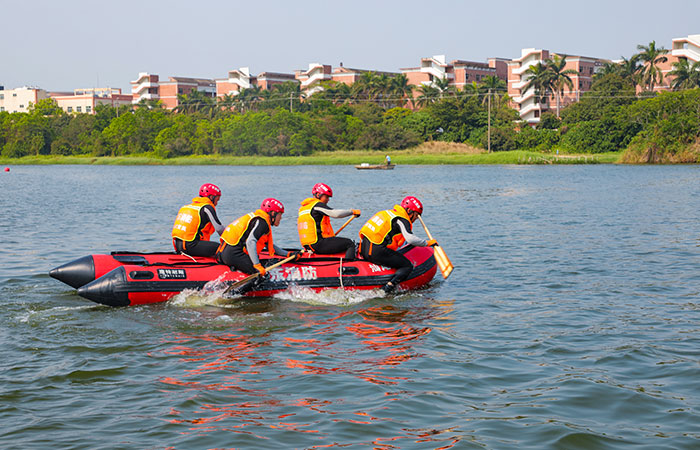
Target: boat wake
point(213, 294)
point(338, 297)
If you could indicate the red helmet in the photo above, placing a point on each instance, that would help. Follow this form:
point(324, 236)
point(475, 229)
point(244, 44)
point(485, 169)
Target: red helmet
point(208, 189)
point(272, 205)
point(411, 203)
point(321, 189)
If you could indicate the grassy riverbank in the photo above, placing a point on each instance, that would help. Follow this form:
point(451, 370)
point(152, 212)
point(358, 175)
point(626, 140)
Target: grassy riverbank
point(433, 153)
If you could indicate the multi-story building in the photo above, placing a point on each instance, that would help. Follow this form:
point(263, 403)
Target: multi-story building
point(687, 48)
point(525, 102)
point(237, 80)
point(310, 78)
point(149, 87)
point(349, 76)
point(19, 99)
point(85, 100)
point(267, 80)
point(242, 79)
point(458, 72)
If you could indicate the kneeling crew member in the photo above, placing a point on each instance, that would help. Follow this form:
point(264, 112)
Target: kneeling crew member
point(244, 239)
point(385, 232)
point(196, 222)
point(314, 224)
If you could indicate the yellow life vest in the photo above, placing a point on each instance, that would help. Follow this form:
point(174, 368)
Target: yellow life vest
point(307, 226)
point(378, 227)
point(187, 221)
point(235, 230)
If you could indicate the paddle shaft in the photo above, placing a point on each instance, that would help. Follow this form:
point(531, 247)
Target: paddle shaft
point(344, 225)
point(441, 258)
point(255, 275)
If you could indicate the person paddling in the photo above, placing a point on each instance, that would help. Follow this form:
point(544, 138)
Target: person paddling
point(244, 238)
point(314, 224)
point(196, 222)
point(385, 232)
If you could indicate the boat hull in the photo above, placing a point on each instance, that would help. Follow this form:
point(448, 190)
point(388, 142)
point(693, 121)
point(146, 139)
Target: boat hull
point(138, 284)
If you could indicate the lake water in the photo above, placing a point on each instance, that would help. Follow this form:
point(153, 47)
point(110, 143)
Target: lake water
point(572, 318)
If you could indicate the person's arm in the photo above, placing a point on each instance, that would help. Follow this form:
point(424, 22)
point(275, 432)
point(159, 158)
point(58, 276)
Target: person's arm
point(411, 238)
point(259, 230)
point(279, 251)
point(214, 219)
point(330, 212)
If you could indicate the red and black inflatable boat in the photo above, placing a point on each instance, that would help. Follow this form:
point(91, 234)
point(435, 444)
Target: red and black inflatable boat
point(126, 278)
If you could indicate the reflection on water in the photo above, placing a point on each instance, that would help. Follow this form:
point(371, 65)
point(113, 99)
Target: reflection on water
point(244, 367)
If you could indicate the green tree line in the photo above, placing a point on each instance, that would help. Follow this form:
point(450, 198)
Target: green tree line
point(378, 112)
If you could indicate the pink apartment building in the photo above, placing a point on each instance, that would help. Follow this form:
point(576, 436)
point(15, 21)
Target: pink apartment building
point(310, 78)
point(524, 101)
point(687, 48)
point(242, 79)
point(149, 87)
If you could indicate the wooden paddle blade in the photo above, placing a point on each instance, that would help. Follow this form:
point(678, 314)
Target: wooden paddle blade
point(443, 261)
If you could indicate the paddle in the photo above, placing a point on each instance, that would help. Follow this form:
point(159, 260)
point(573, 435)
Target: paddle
point(245, 280)
point(443, 261)
point(344, 225)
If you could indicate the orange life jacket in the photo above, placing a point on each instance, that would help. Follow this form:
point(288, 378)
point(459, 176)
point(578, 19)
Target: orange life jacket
point(187, 221)
point(307, 226)
point(378, 227)
point(235, 230)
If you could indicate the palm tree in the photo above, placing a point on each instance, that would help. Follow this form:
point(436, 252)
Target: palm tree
point(539, 79)
point(195, 101)
point(631, 69)
point(443, 85)
point(472, 89)
point(652, 56)
point(333, 91)
point(685, 75)
point(494, 87)
point(226, 102)
point(400, 89)
point(560, 78)
point(428, 94)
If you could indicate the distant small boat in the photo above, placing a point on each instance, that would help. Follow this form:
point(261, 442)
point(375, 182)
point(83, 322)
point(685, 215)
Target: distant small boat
point(365, 166)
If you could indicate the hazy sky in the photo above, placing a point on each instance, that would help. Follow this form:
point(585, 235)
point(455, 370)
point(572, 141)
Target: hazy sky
point(67, 44)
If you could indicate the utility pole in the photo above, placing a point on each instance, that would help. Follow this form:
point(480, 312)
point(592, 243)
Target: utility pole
point(489, 122)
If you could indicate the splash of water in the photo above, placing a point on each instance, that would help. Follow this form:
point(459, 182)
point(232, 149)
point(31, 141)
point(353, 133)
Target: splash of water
point(212, 294)
point(338, 297)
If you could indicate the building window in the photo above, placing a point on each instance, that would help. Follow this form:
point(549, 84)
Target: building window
point(88, 109)
point(21, 106)
point(2, 108)
point(79, 108)
point(537, 113)
point(14, 94)
point(2, 96)
point(70, 109)
point(179, 91)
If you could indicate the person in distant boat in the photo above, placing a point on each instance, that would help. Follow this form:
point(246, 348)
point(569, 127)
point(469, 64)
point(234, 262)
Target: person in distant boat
point(385, 232)
point(388, 160)
point(196, 222)
point(314, 224)
point(244, 238)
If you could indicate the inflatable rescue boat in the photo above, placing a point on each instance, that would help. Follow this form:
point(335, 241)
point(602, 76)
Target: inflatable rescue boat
point(125, 278)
